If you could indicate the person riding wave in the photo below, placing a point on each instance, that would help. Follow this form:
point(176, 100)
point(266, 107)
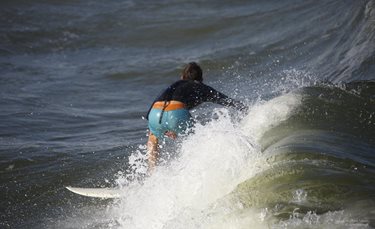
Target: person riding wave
point(169, 113)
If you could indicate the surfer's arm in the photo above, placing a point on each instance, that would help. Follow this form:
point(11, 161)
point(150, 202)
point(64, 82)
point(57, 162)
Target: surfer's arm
point(217, 97)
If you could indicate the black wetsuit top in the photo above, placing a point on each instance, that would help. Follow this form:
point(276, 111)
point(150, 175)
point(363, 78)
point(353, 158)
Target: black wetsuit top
point(192, 93)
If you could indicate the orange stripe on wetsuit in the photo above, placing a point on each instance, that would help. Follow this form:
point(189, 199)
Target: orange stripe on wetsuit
point(169, 105)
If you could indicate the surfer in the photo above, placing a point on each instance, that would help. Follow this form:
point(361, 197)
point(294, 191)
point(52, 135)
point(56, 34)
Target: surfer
point(169, 113)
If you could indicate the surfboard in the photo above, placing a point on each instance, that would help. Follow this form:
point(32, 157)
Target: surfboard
point(105, 193)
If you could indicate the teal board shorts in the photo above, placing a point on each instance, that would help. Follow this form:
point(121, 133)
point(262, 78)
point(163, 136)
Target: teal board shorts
point(177, 121)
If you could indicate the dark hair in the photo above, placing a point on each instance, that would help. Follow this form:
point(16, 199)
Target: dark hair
point(192, 71)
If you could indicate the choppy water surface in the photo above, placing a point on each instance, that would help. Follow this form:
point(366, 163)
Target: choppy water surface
point(77, 77)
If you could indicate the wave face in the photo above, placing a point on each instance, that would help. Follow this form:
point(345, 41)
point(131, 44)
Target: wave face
point(320, 162)
point(77, 76)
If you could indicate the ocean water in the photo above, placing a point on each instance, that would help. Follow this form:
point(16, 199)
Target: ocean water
point(78, 76)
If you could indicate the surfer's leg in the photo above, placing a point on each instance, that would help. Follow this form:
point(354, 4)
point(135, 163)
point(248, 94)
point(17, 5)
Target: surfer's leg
point(156, 132)
point(171, 134)
point(152, 151)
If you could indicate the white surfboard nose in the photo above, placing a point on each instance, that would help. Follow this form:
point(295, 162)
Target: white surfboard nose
point(105, 193)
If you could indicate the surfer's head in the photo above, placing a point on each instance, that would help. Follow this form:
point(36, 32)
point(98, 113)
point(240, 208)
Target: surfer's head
point(192, 71)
